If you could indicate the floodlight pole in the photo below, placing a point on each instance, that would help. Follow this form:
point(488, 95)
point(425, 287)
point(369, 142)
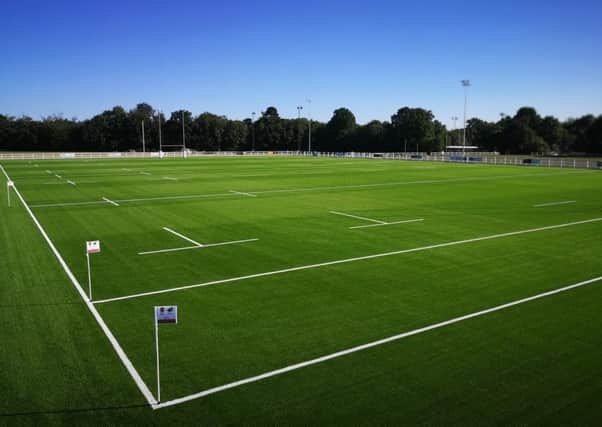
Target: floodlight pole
point(466, 85)
point(299, 108)
point(253, 131)
point(157, 351)
point(89, 276)
point(160, 142)
point(309, 114)
point(183, 136)
point(143, 142)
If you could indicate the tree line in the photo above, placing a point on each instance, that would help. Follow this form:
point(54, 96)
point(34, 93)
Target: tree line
point(410, 129)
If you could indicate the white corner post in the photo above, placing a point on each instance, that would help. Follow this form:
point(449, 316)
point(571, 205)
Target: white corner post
point(89, 277)
point(157, 351)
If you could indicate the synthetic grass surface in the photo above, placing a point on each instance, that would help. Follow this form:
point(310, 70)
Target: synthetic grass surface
point(533, 363)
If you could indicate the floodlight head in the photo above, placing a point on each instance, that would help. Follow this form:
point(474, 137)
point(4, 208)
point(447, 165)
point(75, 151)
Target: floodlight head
point(465, 82)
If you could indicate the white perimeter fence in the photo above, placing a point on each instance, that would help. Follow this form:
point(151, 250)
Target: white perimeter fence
point(479, 158)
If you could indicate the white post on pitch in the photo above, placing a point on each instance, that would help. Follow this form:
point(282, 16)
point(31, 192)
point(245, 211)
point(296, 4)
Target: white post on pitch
point(157, 350)
point(89, 277)
point(9, 185)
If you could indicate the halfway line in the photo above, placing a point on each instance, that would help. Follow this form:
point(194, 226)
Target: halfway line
point(358, 217)
point(347, 260)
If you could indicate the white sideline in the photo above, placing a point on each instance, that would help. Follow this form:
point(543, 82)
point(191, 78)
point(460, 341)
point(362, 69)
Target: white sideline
point(116, 346)
point(186, 248)
point(170, 178)
point(387, 223)
point(71, 182)
point(554, 204)
point(369, 345)
point(175, 233)
point(347, 260)
point(110, 201)
point(358, 217)
point(145, 173)
point(339, 187)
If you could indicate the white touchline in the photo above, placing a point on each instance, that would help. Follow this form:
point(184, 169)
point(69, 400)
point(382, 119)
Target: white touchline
point(71, 182)
point(58, 176)
point(348, 260)
point(114, 343)
point(243, 194)
point(186, 248)
point(340, 187)
point(388, 223)
point(182, 236)
point(370, 345)
point(145, 173)
point(110, 201)
point(554, 203)
point(170, 178)
point(357, 217)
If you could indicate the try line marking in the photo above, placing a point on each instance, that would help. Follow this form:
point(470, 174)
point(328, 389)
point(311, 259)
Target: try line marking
point(370, 345)
point(240, 193)
point(348, 260)
point(555, 203)
point(338, 187)
point(196, 244)
point(116, 346)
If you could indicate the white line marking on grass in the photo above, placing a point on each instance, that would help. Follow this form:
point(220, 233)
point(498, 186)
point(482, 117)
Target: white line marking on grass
point(243, 194)
point(188, 239)
point(49, 172)
point(358, 217)
point(110, 201)
point(126, 169)
point(387, 223)
point(145, 173)
point(555, 203)
point(58, 176)
point(208, 245)
point(116, 346)
point(71, 182)
point(371, 345)
point(170, 178)
point(348, 260)
point(68, 204)
point(340, 187)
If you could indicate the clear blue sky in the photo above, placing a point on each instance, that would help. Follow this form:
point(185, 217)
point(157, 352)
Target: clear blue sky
point(78, 58)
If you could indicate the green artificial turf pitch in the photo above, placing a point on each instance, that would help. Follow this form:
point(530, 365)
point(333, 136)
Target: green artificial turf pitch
point(537, 362)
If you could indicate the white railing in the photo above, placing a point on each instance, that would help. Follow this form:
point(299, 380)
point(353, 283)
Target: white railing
point(469, 158)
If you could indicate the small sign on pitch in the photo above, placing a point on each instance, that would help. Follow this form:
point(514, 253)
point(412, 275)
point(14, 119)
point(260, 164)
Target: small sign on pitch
point(93, 247)
point(166, 314)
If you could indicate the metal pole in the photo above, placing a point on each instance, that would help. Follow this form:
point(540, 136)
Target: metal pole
point(253, 131)
point(299, 108)
point(160, 142)
point(89, 277)
point(183, 136)
point(143, 143)
point(465, 84)
point(309, 114)
point(157, 350)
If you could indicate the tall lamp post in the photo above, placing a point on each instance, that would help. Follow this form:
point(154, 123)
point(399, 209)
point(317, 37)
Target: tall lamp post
point(299, 108)
point(466, 85)
point(309, 115)
point(455, 120)
point(253, 131)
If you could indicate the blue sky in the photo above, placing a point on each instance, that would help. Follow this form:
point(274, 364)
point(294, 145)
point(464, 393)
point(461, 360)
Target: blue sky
point(234, 57)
